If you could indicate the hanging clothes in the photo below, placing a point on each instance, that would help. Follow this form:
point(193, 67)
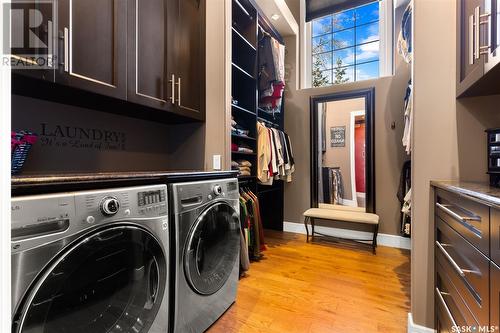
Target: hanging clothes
point(275, 157)
point(250, 208)
point(405, 48)
point(333, 185)
point(404, 197)
point(271, 73)
point(408, 118)
point(263, 155)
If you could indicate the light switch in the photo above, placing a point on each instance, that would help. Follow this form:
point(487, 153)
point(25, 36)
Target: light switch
point(217, 162)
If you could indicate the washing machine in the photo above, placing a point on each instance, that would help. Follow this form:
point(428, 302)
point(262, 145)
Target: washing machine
point(91, 262)
point(207, 248)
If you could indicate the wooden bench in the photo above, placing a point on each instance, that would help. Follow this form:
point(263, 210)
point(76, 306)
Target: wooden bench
point(342, 214)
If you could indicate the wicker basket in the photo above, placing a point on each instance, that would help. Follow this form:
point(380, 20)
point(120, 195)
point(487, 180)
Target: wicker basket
point(20, 145)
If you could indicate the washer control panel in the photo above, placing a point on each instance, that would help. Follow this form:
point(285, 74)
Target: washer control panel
point(152, 201)
point(95, 207)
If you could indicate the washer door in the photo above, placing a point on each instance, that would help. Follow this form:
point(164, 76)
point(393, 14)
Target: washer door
point(112, 280)
point(212, 248)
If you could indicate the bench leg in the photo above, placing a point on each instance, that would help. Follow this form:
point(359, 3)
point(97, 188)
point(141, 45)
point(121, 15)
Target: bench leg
point(374, 242)
point(313, 221)
point(307, 228)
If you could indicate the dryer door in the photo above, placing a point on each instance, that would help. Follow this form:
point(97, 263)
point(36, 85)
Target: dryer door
point(111, 280)
point(212, 248)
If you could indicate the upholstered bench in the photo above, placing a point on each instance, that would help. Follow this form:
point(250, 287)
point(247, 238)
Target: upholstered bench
point(342, 214)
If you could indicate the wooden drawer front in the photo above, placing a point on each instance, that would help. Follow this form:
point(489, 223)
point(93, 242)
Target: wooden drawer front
point(495, 236)
point(495, 295)
point(467, 268)
point(448, 297)
point(469, 218)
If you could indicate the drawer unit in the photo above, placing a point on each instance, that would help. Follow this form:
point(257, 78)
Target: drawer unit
point(454, 311)
point(495, 295)
point(470, 218)
point(466, 267)
point(495, 235)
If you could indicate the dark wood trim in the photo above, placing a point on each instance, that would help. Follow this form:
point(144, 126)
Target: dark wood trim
point(369, 96)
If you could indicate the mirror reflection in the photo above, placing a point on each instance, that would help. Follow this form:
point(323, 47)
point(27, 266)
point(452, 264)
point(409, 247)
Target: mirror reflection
point(341, 155)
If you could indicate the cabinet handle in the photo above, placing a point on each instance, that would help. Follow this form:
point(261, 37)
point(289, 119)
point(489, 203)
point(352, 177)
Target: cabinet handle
point(172, 86)
point(446, 308)
point(476, 33)
point(450, 259)
point(462, 219)
point(179, 91)
point(477, 22)
point(50, 46)
point(66, 50)
point(471, 40)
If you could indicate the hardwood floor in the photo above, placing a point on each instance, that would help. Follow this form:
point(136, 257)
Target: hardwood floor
point(321, 287)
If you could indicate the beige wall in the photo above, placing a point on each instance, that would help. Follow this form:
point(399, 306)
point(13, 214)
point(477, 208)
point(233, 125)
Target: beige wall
point(338, 113)
point(449, 139)
point(218, 89)
point(389, 153)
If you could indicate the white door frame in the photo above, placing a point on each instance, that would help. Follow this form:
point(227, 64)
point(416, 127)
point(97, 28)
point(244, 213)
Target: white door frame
point(352, 152)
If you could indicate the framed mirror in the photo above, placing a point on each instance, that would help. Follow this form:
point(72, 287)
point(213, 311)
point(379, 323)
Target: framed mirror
point(343, 149)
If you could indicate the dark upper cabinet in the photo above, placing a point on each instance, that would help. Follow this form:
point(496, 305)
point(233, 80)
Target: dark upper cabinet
point(93, 48)
point(190, 58)
point(33, 45)
point(151, 42)
point(148, 52)
point(166, 55)
point(477, 47)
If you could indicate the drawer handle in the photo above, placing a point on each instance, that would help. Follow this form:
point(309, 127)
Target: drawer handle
point(443, 303)
point(463, 219)
point(457, 268)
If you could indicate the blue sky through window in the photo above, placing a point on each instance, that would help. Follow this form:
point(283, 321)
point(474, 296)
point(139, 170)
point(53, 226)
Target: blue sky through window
point(346, 46)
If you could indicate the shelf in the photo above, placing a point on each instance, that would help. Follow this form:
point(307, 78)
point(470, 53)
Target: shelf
point(243, 39)
point(243, 137)
point(241, 153)
point(237, 107)
point(243, 71)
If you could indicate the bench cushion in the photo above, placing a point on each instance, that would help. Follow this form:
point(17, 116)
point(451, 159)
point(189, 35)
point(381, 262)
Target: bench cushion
point(342, 215)
point(340, 207)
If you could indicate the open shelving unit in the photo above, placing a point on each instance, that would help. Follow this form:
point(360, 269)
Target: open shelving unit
point(247, 22)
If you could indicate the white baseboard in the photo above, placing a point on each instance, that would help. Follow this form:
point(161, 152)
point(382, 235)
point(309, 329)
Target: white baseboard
point(382, 239)
point(414, 328)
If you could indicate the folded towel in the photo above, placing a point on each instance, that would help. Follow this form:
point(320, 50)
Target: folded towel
point(244, 163)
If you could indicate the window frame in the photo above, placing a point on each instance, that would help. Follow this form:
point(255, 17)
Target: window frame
point(386, 42)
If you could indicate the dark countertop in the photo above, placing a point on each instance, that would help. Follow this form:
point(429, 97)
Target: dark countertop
point(36, 184)
point(478, 190)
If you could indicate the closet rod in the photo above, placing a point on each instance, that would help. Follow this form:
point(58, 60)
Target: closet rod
point(268, 123)
point(265, 33)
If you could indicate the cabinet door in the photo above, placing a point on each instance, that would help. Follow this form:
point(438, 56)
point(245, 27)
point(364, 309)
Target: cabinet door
point(190, 57)
point(493, 34)
point(93, 53)
point(151, 41)
point(470, 63)
point(33, 41)
point(495, 295)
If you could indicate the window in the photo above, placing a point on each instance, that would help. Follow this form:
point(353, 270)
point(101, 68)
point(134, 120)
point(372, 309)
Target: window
point(345, 46)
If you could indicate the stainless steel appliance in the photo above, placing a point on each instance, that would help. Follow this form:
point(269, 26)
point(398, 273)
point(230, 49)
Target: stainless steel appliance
point(207, 240)
point(91, 262)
